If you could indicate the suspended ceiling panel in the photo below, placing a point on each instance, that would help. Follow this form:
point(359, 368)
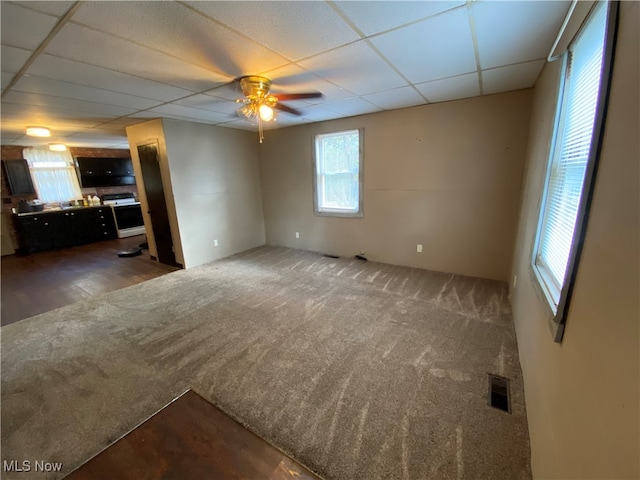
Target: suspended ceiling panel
point(88, 71)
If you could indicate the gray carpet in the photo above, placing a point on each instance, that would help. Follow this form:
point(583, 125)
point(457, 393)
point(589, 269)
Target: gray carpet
point(358, 370)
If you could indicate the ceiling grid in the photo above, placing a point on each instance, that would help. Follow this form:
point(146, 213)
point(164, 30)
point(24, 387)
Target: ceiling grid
point(87, 70)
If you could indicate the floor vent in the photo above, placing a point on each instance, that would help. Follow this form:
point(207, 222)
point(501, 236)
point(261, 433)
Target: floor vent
point(499, 396)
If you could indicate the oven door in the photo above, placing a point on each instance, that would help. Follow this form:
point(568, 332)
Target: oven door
point(128, 220)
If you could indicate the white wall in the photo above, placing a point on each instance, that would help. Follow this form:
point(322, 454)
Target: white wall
point(446, 176)
point(582, 396)
point(216, 188)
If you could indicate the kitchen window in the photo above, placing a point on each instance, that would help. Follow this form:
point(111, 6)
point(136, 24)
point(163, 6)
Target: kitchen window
point(54, 175)
point(572, 162)
point(338, 159)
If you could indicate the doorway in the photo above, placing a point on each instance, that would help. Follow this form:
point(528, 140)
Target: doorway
point(157, 206)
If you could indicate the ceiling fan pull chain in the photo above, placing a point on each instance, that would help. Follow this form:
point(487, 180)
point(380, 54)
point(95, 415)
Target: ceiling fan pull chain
point(260, 131)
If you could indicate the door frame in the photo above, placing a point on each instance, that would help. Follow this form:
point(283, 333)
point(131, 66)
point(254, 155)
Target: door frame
point(171, 212)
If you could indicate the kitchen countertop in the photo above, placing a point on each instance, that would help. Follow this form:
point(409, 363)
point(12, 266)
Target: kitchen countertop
point(61, 209)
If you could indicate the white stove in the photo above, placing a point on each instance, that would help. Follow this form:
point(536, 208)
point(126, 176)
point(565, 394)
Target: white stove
point(127, 213)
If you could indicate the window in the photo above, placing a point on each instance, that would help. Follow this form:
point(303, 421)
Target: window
point(572, 161)
point(338, 174)
point(54, 175)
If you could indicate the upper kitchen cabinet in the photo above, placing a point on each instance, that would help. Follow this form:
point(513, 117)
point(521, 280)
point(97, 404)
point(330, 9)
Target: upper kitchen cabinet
point(105, 172)
point(18, 176)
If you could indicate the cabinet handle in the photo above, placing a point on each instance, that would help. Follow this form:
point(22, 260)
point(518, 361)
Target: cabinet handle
point(73, 214)
point(108, 171)
point(101, 216)
point(90, 172)
point(46, 223)
point(104, 224)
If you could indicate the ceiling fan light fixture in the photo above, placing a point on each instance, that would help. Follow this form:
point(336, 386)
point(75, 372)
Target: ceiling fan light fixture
point(266, 113)
point(38, 132)
point(57, 147)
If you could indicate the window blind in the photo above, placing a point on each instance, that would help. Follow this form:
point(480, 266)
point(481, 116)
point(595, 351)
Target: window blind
point(574, 134)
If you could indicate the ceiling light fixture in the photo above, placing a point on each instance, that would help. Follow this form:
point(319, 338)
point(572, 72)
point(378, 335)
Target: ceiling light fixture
point(258, 105)
point(38, 132)
point(266, 113)
point(57, 147)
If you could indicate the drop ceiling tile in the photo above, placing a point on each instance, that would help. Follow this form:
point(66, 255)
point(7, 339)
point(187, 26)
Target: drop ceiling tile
point(193, 38)
point(13, 59)
point(77, 106)
point(396, 98)
point(83, 74)
point(192, 114)
point(24, 28)
point(210, 103)
point(379, 16)
point(294, 79)
point(56, 88)
point(454, 88)
point(512, 77)
point(96, 48)
point(57, 8)
point(319, 113)
point(97, 140)
point(436, 48)
point(351, 107)
point(514, 32)
point(294, 29)
point(58, 120)
point(8, 138)
point(356, 68)
point(6, 79)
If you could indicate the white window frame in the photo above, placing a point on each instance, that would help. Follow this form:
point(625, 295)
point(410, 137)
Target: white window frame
point(558, 296)
point(318, 177)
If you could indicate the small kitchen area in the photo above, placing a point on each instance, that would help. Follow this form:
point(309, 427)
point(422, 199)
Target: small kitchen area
point(108, 207)
point(57, 253)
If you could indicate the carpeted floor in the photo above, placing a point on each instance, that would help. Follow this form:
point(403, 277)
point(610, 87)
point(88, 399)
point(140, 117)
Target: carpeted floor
point(358, 370)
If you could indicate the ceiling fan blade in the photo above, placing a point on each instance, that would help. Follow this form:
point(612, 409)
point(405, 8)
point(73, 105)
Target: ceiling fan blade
point(284, 108)
point(296, 96)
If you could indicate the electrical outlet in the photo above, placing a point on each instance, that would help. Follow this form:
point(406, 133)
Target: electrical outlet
point(515, 280)
point(215, 242)
point(297, 234)
point(419, 249)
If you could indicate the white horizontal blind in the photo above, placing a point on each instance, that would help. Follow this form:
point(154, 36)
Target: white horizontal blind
point(574, 135)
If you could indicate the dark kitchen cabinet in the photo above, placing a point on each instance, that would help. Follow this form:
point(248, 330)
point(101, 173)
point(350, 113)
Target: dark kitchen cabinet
point(18, 176)
point(39, 232)
point(67, 228)
point(102, 172)
point(101, 225)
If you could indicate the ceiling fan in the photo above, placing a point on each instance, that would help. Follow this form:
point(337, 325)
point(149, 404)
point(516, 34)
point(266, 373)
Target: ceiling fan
point(260, 105)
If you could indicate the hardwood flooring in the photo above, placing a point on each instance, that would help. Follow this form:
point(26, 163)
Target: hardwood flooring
point(191, 439)
point(40, 282)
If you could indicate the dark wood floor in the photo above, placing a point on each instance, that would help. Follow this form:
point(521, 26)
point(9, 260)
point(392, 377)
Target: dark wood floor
point(40, 282)
point(191, 439)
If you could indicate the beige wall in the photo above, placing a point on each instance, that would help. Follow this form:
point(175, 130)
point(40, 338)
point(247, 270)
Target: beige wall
point(212, 188)
point(447, 176)
point(216, 187)
point(582, 396)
